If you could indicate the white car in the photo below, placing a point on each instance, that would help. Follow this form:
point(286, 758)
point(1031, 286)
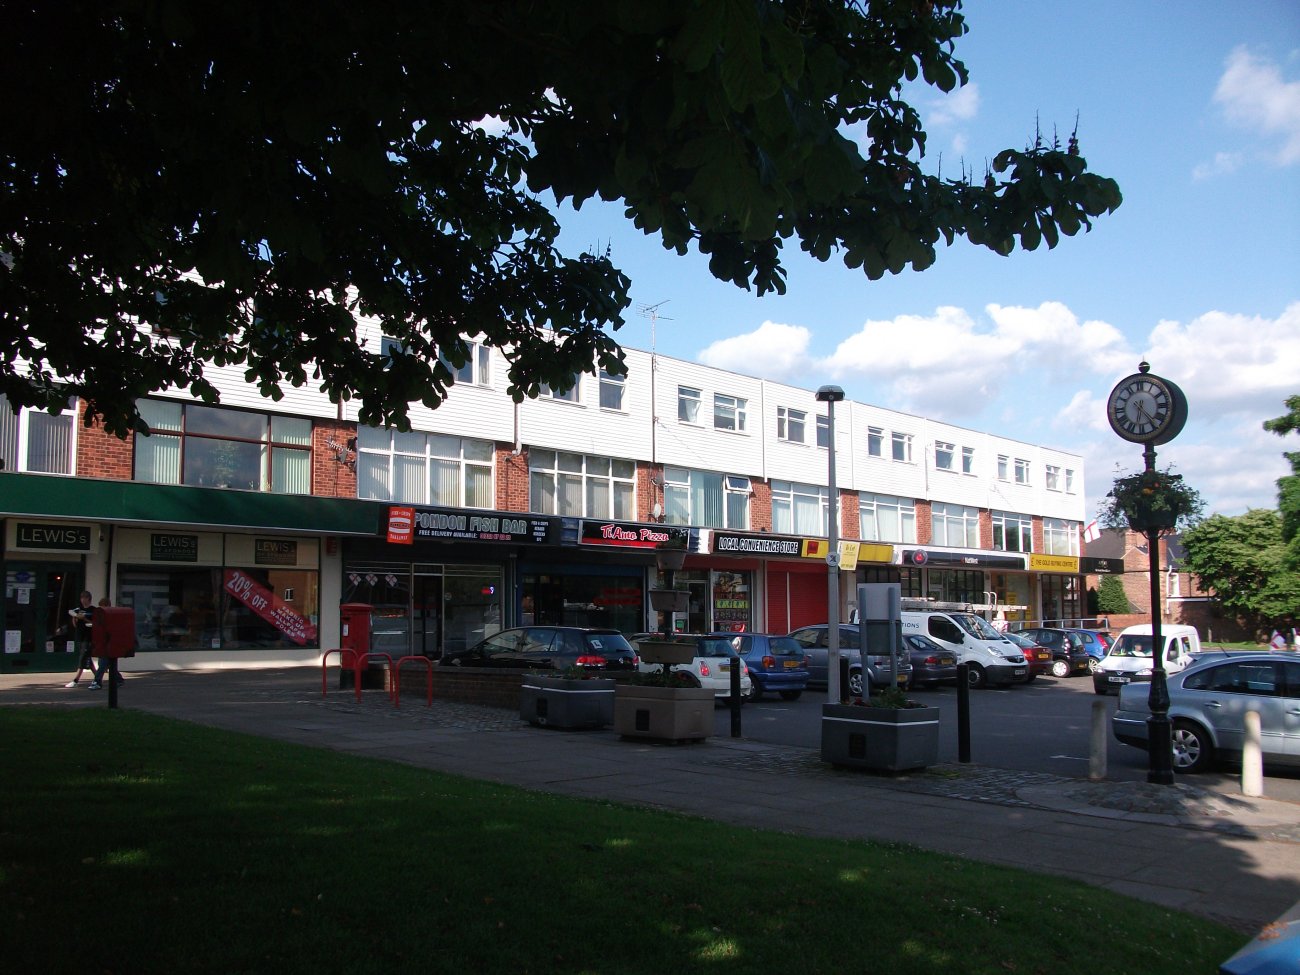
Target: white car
point(711, 666)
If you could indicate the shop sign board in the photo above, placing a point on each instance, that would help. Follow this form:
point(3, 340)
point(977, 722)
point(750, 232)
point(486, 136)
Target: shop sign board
point(172, 547)
point(632, 535)
point(1054, 563)
point(927, 557)
point(407, 525)
point(275, 551)
point(46, 536)
point(763, 544)
point(1091, 566)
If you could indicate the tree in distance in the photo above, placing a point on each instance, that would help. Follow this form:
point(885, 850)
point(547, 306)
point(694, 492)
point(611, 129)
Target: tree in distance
point(232, 183)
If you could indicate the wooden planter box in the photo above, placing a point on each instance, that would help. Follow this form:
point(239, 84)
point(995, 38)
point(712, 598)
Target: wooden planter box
point(561, 702)
point(666, 713)
point(886, 739)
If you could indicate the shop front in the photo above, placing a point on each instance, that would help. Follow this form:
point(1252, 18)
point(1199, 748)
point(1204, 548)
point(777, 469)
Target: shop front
point(1059, 588)
point(44, 570)
point(442, 579)
point(993, 584)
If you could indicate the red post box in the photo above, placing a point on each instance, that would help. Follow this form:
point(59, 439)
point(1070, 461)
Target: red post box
point(113, 632)
point(355, 637)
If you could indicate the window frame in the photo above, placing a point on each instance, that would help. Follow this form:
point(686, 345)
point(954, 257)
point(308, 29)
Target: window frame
point(942, 450)
point(944, 515)
point(428, 458)
point(1006, 522)
point(876, 442)
point(786, 494)
point(968, 460)
point(1004, 467)
point(1052, 477)
point(726, 405)
point(572, 395)
point(870, 506)
point(19, 425)
point(897, 439)
point(690, 401)
point(683, 485)
point(1021, 472)
point(619, 490)
point(787, 418)
point(616, 386)
point(1061, 536)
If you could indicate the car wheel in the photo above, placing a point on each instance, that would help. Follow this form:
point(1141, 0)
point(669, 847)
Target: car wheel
point(790, 695)
point(975, 677)
point(687, 679)
point(755, 692)
point(1060, 668)
point(855, 683)
point(1193, 751)
point(1093, 664)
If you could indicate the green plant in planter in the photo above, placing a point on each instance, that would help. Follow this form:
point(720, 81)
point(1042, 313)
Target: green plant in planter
point(890, 697)
point(574, 672)
point(1152, 500)
point(663, 677)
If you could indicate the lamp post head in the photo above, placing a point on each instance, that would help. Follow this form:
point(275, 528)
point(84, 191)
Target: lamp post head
point(830, 394)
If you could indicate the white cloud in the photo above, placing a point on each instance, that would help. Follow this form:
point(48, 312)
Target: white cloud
point(772, 351)
point(1222, 164)
point(960, 105)
point(1253, 95)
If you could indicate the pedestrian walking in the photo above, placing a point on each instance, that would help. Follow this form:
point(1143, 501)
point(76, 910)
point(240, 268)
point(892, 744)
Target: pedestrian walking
point(83, 617)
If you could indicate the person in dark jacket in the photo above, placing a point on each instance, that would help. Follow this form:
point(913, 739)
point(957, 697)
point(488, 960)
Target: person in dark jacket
point(82, 620)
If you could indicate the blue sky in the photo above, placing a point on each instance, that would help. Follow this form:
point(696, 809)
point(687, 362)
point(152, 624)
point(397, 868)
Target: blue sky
point(1194, 108)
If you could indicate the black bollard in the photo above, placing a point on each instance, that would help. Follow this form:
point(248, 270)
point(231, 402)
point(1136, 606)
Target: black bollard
point(844, 679)
point(112, 682)
point(963, 713)
point(735, 696)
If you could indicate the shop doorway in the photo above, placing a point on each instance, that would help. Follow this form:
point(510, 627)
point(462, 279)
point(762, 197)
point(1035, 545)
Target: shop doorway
point(37, 633)
point(426, 616)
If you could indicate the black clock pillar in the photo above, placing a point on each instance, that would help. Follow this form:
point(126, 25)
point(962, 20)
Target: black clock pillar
point(1160, 763)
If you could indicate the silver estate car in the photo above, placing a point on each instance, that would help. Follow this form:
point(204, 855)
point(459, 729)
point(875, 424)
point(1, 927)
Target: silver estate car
point(1207, 706)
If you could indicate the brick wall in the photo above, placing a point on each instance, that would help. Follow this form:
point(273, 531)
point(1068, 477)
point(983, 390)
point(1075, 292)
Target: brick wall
point(924, 524)
point(331, 477)
point(99, 453)
point(760, 507)
point(512, 479)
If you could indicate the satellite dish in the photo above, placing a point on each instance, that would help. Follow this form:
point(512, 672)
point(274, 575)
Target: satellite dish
point(657, 510)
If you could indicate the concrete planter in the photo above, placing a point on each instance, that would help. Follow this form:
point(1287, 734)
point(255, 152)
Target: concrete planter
point(561, 702)
point(885, 739)
point(666, 652)
point(665, 713)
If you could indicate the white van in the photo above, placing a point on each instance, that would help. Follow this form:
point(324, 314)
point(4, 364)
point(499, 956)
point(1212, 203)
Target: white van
point(992, 657)
point(1128, 660)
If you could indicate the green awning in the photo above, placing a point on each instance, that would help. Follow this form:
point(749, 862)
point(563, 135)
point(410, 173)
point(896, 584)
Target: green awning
point(87, 499)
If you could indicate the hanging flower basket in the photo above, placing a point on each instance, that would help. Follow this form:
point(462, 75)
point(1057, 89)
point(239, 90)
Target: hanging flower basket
point(1151, 501)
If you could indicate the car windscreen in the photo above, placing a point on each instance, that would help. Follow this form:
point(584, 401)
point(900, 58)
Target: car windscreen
point(977, 626)
point(607, 642)
point(714, 646)
point(1132, 645)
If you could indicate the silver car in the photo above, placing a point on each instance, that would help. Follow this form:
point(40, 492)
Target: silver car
point(1207, 706)
point(813, 640)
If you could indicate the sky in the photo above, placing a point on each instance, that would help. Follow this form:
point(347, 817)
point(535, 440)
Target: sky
point(1194, 109)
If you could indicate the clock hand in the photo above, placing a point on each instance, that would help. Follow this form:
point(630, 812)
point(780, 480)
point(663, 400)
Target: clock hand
point(1143, 414)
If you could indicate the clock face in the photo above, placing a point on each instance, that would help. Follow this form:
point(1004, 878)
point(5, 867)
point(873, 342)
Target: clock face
point(1142, 408)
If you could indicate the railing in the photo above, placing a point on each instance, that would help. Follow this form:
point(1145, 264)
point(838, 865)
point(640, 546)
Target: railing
point(356, 663)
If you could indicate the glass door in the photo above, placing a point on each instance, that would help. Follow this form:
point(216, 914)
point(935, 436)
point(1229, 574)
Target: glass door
point(38, 635)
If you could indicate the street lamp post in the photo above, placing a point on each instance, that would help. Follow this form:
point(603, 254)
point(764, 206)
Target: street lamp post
point(830, 395)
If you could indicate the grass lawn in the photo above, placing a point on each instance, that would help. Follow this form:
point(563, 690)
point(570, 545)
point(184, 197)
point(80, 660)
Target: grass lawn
point(131, 843)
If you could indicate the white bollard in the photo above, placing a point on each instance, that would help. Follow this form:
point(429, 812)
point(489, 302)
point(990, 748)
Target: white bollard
point(1252, 758)
point(1097, 743)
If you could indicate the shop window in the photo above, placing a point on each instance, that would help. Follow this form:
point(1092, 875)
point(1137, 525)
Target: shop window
point(207, 446)
point(37, 442)
point(424, 468)
point(799, 509)
point(581, 485)
point(706, 499)
point(611, 601)
point(883, 518)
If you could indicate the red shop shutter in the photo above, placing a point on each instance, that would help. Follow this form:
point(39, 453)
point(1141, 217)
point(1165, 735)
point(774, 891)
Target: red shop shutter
point(794, 599)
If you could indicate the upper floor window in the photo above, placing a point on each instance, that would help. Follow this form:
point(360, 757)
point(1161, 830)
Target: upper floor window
point(955, 525)
point(1012, 532)
point(1022, 471)
point(799, 509)
point(688, 404)
point(728, 413)
point(208, 446)
point(886, 519)
point(823, 431)
point(944, 455)
point(612, 387)
point(1069, 481)
point(790, 424)
point(424, 468)
point(37, 442)
point(1053, 480)
point(875, 442)
point(902, 447)
point(581, 485)
point(1060, 537)
point(968, 460)
point(475, 370)
point(1004, 467)
point(569, 395)
point(706, 499)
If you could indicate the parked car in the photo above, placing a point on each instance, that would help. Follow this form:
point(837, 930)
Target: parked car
point(776, 664)
point(931, 663)
point(1097, 643)
point(1038, 658)
point(992, 660)
point(548, 648)
point(1129, 659)
point(1207, 706)
point(813, 641)
point(711, 666)
point(1069, 654)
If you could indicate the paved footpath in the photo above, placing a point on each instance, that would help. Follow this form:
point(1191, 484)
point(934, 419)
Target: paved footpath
point(1234, 859)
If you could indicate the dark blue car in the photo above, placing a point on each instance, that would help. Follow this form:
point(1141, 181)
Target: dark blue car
point(777, 664)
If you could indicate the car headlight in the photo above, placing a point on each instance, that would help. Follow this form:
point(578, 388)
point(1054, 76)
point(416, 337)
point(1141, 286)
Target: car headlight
point(1146, 672)
point(997, 653)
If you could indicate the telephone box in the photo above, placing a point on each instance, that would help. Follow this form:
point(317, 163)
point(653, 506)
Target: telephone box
point(113, 632)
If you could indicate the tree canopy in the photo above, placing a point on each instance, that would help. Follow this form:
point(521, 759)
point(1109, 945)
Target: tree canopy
point(1242, 561)
point(232, 182)
point(1288, 487)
